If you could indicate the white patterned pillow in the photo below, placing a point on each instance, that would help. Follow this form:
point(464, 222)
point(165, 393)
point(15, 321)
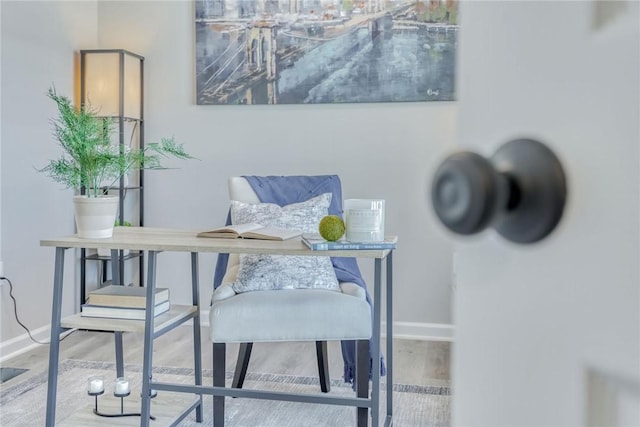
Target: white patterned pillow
point(271, 272)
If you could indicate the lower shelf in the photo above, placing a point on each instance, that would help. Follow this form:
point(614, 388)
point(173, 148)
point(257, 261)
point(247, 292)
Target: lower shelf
point(176, 314)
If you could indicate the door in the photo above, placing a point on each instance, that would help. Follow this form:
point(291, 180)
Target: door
point(548, 334)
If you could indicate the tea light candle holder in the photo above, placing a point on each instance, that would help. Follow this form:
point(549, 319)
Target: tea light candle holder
point(121, 389)
point(95, 385)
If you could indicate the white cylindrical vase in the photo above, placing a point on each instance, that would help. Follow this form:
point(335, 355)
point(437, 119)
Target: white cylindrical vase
point(364, 220)
point(95, 216)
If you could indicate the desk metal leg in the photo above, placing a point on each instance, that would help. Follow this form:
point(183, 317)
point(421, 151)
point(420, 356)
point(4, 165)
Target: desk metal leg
point(219, 368)
point(148, 340)
point(389, 297)
point(117, 335)
point(375, 392)
point(54, 346)
point(362, 380)
point(197, 350)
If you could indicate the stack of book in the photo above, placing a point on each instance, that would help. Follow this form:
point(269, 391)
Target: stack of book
point(124, 302)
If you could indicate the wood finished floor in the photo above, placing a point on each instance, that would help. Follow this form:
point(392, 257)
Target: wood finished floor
point(415, 362)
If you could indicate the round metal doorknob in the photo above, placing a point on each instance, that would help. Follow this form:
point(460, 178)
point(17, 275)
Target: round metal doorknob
point(467, 192)
point(520, 191)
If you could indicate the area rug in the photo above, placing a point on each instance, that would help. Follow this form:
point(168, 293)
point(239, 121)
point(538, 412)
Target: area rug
point(24, 403)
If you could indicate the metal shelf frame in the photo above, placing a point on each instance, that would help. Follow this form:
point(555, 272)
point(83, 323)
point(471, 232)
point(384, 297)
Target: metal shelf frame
point(121, 90)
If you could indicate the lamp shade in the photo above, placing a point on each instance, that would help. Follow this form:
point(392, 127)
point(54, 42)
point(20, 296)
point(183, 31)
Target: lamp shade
point(111, 82)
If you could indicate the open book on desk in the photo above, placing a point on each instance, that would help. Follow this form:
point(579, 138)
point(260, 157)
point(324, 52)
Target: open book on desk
point(250, 231)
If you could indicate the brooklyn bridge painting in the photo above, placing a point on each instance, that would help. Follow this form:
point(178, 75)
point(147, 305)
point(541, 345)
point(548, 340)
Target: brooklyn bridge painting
point(325, 51)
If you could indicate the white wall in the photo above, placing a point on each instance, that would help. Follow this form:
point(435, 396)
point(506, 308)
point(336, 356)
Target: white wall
point(379, 150)
point(39, 40)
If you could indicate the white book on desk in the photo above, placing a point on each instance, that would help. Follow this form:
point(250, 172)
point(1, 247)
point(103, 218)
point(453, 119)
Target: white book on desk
point(131, 313)
point(315, 242)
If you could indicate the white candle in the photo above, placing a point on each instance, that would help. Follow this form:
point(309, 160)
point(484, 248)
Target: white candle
point(122, 386)
point(96, 385)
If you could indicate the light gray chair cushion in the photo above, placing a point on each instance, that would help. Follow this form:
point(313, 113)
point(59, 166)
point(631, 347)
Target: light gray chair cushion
point(290, 315)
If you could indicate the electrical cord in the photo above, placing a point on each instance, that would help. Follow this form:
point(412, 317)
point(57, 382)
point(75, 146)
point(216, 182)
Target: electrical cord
point(15, 313)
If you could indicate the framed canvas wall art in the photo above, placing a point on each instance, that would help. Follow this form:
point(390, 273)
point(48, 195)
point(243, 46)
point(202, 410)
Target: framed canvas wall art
point(325, 51)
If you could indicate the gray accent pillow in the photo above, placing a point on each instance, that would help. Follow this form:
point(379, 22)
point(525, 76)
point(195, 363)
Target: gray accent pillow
point(272, 272)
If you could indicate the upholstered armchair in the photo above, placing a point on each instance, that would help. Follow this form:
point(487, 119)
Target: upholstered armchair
point(261, 298)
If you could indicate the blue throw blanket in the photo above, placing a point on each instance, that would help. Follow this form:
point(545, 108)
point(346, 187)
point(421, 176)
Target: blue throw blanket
point(285, 190)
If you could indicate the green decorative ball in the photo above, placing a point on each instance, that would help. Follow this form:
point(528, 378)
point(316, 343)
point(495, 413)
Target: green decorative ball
point(331, 227)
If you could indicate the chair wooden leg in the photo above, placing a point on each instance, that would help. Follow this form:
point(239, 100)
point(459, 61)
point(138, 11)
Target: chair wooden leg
point(362, 379)
point(323, 366)
point(219, 367)
point(244, 354)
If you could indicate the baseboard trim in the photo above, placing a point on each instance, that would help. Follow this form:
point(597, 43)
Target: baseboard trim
point(423, 331)
point(401, 330)
point(22, 343)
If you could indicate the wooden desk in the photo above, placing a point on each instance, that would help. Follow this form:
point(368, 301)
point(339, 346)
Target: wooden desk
point(154, 240)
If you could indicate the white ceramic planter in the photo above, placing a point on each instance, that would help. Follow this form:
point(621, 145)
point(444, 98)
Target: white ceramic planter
point(95, 216)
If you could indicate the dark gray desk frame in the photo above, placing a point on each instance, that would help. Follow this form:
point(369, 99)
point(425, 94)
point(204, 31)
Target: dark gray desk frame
point(198, 389)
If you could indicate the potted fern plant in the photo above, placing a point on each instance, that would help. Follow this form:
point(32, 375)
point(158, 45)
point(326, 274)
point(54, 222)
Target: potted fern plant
point(91, 161)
